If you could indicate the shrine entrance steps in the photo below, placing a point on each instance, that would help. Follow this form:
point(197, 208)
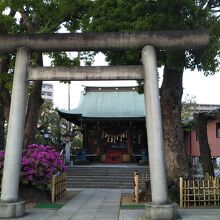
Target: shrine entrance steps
point(104, 176)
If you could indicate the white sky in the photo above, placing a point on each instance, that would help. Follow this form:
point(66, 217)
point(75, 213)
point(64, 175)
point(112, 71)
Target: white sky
point(205, 89)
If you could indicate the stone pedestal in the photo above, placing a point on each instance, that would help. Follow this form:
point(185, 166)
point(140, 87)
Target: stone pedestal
point(12, 209)
point(161, 211)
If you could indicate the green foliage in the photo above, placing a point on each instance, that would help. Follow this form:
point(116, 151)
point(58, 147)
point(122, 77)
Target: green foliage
point(77, 143)
point(49, 121)
point(87, 57)
point(43, 16)
point(28, 16)
point(142, 15)
point(188, 108)
point(64, 59)
point(6, 80)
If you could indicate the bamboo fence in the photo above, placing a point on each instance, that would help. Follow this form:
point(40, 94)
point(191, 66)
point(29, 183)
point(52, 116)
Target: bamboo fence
point(140, 181)
point(199, 192)
point(58, 186)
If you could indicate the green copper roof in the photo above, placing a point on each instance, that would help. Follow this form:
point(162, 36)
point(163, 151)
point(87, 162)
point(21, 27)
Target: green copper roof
point(109, 104)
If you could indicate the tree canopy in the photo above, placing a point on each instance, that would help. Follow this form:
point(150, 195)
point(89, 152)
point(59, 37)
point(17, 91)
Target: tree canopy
point(37, 16)
point(142, 15)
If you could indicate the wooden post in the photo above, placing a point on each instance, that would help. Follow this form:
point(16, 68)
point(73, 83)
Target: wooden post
point(206, 176)
point(53, 188)
point(181, 192)
point(184, 195)
point(136, 186)
point(194, 193)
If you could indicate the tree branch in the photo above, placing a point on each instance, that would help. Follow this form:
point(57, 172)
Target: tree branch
point(26, 20)
point(12, 13)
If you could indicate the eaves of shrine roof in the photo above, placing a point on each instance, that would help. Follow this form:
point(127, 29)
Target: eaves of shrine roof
point(108, 103)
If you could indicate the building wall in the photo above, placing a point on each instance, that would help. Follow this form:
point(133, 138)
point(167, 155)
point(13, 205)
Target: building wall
point(192, 145)
point(47, 91)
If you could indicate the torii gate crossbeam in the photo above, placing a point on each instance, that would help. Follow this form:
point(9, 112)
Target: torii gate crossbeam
point(50, 42)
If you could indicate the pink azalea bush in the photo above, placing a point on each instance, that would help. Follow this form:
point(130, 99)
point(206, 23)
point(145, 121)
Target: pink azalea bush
point(39, 163)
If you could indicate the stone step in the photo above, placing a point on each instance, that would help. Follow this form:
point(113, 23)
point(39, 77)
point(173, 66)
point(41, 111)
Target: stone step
point(111, 170)
point(100, 177)
point(99, 185)
point(106, 171)
point(99, 181)
point(103, 177)
point(102, 174)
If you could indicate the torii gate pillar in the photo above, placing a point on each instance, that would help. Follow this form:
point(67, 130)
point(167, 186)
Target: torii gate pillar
point(10, 206)
point(159, 208)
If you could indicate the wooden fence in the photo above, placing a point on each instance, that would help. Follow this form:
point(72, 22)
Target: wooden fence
point(58, 186)
point(199, 192)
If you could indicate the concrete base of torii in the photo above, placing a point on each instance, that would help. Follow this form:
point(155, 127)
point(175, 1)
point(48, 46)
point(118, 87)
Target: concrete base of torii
point(12, 209)
point(166, 211)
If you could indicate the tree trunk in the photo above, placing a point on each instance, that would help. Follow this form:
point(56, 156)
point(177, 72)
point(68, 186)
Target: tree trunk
point(6, 100)
point(2, 127)
point(200, 120)
point(171, 94)
point(4, 92)
point(34, 104)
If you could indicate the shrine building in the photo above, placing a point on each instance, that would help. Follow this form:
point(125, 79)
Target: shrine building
point(112, 121)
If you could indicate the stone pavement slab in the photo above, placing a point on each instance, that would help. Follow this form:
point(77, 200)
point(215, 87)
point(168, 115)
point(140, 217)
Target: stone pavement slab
point(184, 214)
point(200, 214)
point(73, 206)
point(104, 204)
point(91, 204)
point(131, 214)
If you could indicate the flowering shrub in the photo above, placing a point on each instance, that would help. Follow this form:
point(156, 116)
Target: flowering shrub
point(39, 163)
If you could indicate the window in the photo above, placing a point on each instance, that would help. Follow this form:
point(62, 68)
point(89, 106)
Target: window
point(218, 129)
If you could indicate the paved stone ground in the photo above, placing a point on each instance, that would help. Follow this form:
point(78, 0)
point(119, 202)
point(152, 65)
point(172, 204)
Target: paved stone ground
point(200, 214)
point(185, 214)
point(131, 214)
point(89, 204)
point(104, 204)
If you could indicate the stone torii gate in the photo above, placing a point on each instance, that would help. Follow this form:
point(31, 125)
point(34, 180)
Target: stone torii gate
point(159, 208)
